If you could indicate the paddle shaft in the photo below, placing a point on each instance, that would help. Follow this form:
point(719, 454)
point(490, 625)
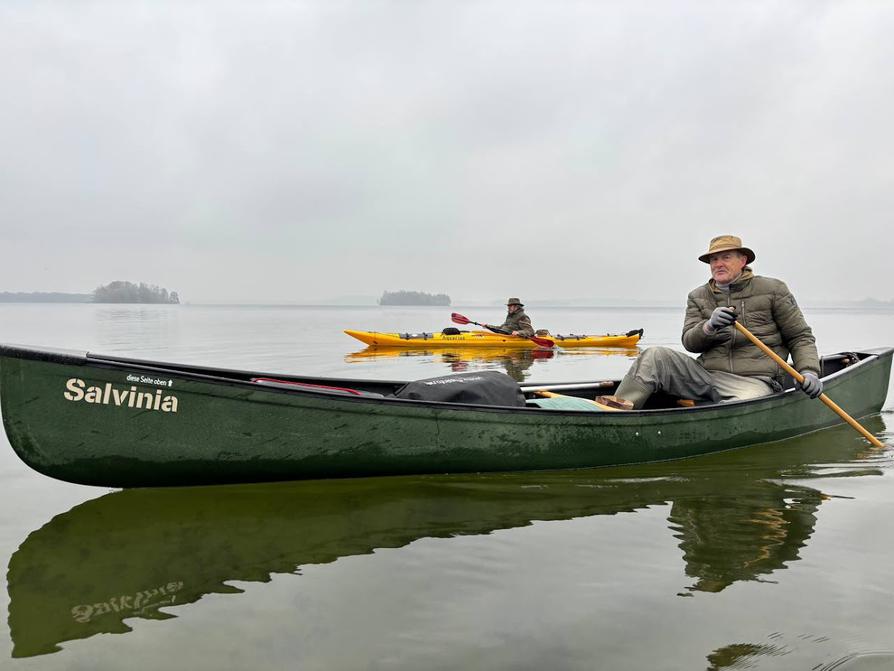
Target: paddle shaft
point(604, 384)
point(800, 378)
point(495, 329)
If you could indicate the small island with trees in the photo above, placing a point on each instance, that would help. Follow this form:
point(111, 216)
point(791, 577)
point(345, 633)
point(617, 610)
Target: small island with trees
point(114, 292)
point(128, 292)
point(413, 298)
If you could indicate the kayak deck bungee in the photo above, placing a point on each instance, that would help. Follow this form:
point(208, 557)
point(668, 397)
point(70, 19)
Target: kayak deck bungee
point(488, 339)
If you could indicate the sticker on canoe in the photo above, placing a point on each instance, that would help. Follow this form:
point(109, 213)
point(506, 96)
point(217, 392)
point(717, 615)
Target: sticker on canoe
point(145, 379)
point(109, 394)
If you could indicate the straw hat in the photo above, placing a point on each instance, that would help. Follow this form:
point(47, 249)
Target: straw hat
point(514, 301)
point(726, 243)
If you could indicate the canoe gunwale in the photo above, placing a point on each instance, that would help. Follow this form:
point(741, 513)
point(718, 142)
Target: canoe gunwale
point(48, 354)
point(242, 378)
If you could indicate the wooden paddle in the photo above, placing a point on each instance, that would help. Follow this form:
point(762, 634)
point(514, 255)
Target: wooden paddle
point(569, 386)
point(800, 378)
point(541, 342)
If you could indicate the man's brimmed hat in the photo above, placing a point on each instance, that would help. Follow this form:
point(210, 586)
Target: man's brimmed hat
point(514, 301)
point(726, 243)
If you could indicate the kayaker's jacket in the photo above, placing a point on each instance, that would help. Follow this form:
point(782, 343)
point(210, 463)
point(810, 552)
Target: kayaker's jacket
point(518, 321)
point(764, 306)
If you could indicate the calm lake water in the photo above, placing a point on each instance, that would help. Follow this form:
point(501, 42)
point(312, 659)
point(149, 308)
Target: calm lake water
point(772, 557)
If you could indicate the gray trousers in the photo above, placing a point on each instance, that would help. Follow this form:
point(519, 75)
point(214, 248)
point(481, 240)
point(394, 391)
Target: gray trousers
point(670, 371)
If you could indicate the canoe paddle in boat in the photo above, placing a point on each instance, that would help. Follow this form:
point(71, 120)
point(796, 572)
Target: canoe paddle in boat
point(540, 342)
point(800, 378)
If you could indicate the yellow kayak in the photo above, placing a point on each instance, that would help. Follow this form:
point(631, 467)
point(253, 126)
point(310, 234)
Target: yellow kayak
point(488, 339)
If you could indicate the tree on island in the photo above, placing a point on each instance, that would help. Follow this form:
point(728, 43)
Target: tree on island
point(413, 298)
point(128, 292)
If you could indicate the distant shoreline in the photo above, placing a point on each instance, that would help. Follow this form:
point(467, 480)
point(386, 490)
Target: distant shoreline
point(60, 297)
point(44, 297)
point(63, 298)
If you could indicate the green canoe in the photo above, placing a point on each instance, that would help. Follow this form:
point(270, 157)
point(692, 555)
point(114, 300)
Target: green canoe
point(116, 422)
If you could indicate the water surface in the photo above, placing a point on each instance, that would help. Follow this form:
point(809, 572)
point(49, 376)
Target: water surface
point(772, 557)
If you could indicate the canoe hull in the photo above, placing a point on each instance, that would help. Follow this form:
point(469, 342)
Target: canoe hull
point(223, 430)
point(485, 339)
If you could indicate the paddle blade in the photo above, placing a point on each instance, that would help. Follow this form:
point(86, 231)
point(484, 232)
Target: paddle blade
point(459, 319)
point(542, 342)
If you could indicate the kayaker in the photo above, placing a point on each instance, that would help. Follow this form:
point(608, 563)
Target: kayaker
point(729, 366)
point(517, 322)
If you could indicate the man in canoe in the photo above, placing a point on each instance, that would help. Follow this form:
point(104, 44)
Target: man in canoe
point(517, 322)
point(729, 367)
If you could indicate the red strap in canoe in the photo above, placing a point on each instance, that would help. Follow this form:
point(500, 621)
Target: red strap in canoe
point(305, 385)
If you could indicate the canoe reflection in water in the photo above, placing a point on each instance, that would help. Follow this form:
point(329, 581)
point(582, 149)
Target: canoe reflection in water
point(516, 362)
point(739, 516)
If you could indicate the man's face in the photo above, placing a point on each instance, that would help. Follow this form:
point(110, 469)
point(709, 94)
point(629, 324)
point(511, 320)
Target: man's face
point(512, 308)
point(726, 266)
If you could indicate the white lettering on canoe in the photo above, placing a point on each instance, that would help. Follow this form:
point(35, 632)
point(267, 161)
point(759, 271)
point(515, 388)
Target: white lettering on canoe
point(109, 394)
point(129, 604)
point(75, 389)
point(146, 379)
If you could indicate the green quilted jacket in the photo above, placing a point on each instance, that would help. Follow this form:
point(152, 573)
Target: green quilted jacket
point(765, 307)
point(518, 321)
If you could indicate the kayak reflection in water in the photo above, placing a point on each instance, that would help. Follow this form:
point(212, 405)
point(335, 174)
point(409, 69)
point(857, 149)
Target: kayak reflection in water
point(515, 362)
point(739, 516)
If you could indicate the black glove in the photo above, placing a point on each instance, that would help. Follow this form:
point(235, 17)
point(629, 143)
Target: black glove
point(722, 317)
point(812, 385)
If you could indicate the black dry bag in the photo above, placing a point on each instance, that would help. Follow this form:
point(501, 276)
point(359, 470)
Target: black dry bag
point(487, 387)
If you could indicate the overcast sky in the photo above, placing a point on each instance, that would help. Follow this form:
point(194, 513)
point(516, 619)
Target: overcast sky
point(298, 151)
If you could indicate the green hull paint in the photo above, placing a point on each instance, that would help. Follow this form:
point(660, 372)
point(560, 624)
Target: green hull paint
point(228, 429)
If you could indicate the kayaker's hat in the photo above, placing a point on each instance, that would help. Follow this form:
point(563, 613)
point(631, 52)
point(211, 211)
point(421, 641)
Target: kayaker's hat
point(514, 301)
point(726, 243)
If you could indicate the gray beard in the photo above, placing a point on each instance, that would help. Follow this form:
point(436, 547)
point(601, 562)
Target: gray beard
point(725, 287)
